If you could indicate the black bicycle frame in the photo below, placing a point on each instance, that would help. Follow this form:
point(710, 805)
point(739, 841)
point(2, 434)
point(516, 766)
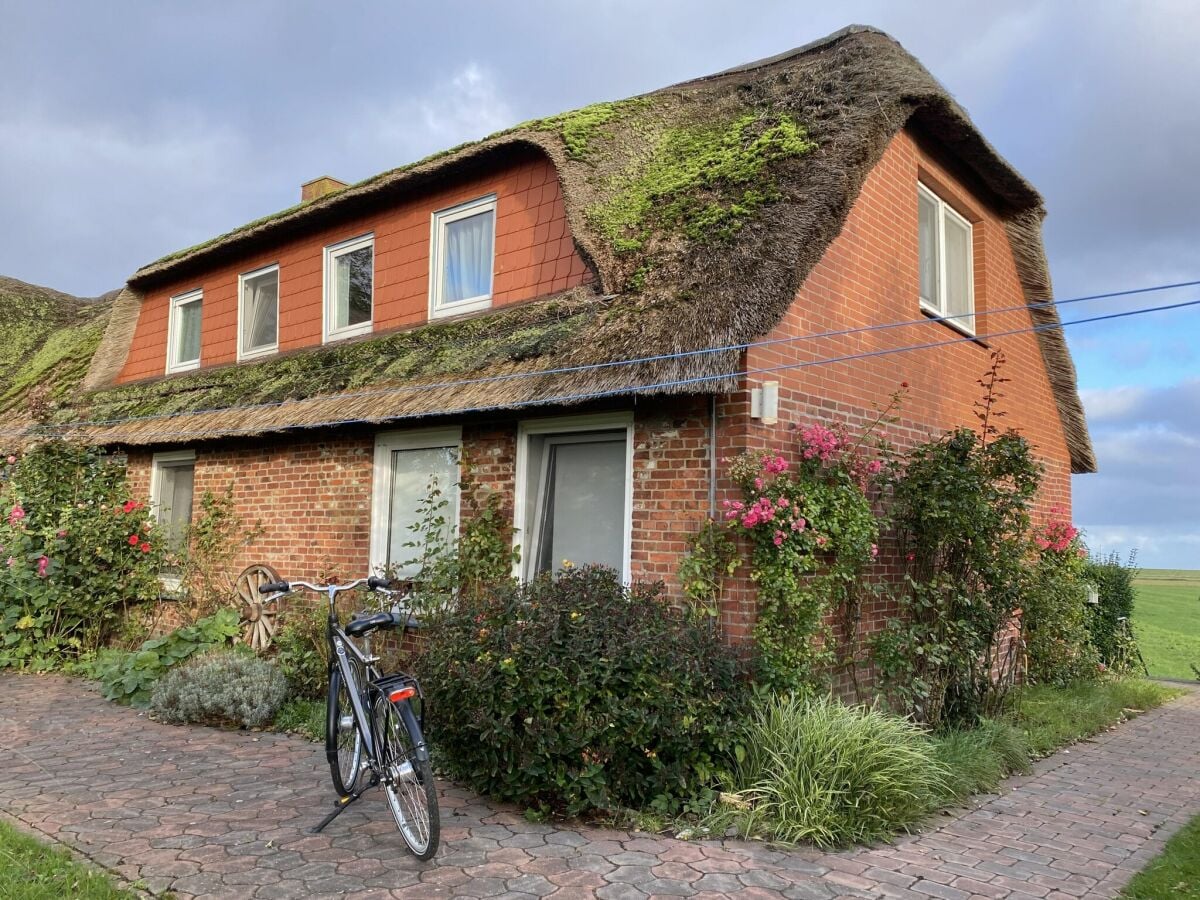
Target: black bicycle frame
point(341, 645)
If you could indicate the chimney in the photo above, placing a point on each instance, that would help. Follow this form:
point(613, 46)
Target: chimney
point(319, 187)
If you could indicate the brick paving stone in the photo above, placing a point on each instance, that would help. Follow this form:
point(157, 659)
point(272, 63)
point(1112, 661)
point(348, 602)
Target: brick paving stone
point(208, 813)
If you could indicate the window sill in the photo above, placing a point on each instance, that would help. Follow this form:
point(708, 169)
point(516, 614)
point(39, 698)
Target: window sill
point(344, 333)
point(191, 366)
point(258, 353)
point(461, 308)
point(958, 329)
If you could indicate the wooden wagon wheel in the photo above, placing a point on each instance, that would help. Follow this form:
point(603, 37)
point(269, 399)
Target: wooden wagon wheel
point(258, 620)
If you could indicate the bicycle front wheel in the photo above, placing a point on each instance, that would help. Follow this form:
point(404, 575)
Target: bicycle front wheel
point(343, 743)
point(407, 776)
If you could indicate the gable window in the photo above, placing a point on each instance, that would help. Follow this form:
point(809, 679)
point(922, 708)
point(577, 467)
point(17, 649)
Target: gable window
point(574, 492)
point(349, 287)
point(183, 332)
point(462, 257)
point(947, 270)
point(258, 312)
point(408, 466)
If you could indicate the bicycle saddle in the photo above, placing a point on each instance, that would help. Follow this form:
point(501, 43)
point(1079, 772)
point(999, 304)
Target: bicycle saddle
point(359, 627)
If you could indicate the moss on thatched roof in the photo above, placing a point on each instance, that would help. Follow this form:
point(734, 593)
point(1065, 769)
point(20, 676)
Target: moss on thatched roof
point(46, 344)
point(702, 208)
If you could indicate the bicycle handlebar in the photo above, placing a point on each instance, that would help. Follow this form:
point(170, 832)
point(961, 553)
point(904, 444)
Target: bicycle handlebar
point(373, 583)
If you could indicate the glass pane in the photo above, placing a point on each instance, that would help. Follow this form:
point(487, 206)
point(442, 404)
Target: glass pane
point(958, 273)
point(467, 259)
point(260, 305)
point(927, 232)
point(188, 328)
point(414, 474)
point(353, 278)
point(584, 509)
point(175, 490)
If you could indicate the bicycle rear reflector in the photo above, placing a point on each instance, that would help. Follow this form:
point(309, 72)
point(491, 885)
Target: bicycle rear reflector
point(404, 693)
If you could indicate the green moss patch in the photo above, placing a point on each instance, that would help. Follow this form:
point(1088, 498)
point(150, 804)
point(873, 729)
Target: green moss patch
point(579, 128)
point(702, 181)
point(441, 350)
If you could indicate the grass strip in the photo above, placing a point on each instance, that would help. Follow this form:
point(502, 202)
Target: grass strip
point(31, 870)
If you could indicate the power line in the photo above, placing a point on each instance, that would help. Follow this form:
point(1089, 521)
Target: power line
point(564, 370)
point(170, 391)
point(677, 383)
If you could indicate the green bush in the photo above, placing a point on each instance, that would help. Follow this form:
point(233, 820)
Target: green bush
point(223, 687)
point(1108, 621)
point(976, 760)
point(302, 651)
point(75, 552)
point(130, 676)
point(817, 770)
point(1054, 619)
point(575, 693)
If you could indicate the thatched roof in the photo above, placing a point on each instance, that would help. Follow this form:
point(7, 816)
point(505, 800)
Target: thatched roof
point(46, 344)
point(702, 208)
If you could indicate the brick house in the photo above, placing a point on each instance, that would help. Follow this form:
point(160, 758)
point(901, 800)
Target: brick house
point(594, 309)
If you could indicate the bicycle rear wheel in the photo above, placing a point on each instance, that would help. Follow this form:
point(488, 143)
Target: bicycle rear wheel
point(343, 743)
point(407, 776)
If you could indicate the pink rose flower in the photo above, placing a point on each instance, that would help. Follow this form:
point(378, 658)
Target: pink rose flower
point(43, 563)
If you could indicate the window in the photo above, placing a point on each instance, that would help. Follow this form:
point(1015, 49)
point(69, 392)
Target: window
point(258, 312)
point(172, 480)
point(462, 256)
point(574, 492)
point(349, 287)
point(408, 464)
point(183, 332)
point(947, 271)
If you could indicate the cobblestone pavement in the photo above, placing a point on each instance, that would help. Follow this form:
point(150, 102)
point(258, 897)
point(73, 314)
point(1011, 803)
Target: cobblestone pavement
point(209, 813)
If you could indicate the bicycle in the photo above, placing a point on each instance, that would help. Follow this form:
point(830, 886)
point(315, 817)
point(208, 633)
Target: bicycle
point(370, 724)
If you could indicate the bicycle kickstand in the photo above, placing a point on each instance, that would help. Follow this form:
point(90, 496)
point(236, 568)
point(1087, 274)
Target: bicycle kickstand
point(342, 803)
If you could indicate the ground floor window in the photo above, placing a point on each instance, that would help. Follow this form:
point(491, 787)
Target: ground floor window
point(172, 484)
point(409, 465)
point(574, 492)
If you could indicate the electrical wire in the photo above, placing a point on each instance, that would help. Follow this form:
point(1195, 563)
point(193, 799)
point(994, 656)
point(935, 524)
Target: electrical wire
point(661, 385)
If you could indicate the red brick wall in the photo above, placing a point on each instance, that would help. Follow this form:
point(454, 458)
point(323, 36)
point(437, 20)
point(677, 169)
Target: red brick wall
point(535, 256)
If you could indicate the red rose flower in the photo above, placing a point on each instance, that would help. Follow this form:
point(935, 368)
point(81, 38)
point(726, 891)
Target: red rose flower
point(145, 548)
point(133, 540)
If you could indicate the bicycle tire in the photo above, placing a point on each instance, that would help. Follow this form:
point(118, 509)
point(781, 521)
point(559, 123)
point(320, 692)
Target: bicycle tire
point(407, 776)
point(343, 743)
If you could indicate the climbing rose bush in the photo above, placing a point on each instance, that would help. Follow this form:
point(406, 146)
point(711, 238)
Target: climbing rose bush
point(808, 517)
point(76, 549)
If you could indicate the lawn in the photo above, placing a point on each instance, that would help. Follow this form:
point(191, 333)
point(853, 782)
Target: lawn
point(1175, 873)
point(1166, 619)
point(30, 870)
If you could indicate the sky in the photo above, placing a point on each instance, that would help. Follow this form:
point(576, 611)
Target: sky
point(132, 129)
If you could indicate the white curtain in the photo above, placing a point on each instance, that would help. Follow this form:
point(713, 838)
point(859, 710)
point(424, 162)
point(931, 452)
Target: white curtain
point(959, 302)
point(262, 310)
point(189, 332)
point(927, 230)
point(413, 474)
point(467, 259)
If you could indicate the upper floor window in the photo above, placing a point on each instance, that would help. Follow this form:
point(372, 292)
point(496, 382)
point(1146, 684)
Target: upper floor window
point(462, 254)
point(947, 272)
point(349, 287)
point(183, 332)
point(258, 312)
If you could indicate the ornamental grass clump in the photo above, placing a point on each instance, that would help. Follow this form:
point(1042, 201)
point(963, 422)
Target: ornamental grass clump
point(819, 771)
point(225, 687)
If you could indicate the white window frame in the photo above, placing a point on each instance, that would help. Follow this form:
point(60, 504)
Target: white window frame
point(570, 425)
point(332, 252)
point(242, 352)
point(964, 322)
point(437, 248)
point(178, 301)
point(158, 462)
point(386, 442)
